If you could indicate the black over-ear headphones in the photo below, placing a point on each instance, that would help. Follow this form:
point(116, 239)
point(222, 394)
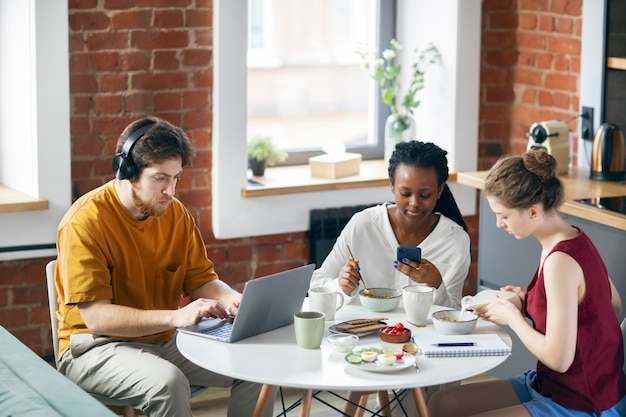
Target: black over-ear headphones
point(123, 165)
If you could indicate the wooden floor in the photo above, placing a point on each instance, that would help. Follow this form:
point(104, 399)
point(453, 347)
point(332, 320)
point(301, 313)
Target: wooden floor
point(214, 402)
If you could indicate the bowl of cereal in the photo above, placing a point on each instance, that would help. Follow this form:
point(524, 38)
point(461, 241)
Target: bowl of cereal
point(451, 322)
point(380, 299)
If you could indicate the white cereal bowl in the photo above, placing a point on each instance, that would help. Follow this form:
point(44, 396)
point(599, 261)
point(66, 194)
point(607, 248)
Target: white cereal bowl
point(382, 299)
point(447, 322)
point(343, 343)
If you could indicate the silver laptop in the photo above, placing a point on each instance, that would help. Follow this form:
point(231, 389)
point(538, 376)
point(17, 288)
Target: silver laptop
point(267, 303)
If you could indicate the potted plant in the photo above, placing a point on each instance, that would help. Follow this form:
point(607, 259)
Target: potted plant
point(263, 152)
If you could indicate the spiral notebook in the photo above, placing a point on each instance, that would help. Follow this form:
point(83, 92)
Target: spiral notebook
point(462, 345)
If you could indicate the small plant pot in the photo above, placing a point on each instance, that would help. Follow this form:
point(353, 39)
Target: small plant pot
point(257, 167)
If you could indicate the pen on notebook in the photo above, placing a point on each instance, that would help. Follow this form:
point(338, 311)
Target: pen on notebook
point(454, 344)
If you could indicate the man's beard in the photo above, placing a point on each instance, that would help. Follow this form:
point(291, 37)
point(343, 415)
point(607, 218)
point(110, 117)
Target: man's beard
point(149, 208)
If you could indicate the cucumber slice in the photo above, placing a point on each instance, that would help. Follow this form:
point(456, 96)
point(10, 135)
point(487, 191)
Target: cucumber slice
point(353, 358)
point(388, 350)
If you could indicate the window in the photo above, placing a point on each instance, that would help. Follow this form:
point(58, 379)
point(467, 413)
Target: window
point(306, 87)
point(34, 123)
point(447, 116)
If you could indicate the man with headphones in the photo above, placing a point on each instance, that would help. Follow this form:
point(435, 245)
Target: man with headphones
point(127, 251)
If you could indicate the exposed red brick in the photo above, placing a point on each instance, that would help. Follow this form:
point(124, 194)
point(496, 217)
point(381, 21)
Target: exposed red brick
point(85, 21)
point(79, 63)
point(107, 41)
point(140, 103)
point(134, 19)
point(195, 99)
point(561, 82)
point(198, 17)
point(105, 61)
point(166, 60)
point(134, 61)
point(203, 37)
point(82, 4)
point(159, 39)
point(196, 58)
point(113, 82)
point(536, 5)
point(167, 101)
point(167, 19)
point(107, 104)
point(83, 83)
point(155, 82)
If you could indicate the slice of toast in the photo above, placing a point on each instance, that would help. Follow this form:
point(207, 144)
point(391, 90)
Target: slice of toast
point(361, 325)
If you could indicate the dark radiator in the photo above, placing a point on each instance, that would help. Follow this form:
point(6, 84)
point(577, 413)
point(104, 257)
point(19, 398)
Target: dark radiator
point(325, 226)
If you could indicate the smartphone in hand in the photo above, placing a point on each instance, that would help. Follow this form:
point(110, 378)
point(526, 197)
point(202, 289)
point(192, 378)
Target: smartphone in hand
point(412, 253)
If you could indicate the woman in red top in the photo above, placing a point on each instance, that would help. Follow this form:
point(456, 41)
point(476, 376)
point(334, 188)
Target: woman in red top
point(571, 302)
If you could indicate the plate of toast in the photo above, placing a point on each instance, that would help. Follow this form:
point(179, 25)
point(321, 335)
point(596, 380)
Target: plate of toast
point(359, 327)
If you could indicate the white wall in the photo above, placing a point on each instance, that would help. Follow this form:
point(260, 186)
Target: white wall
point(448, 114)
point(42, 132)
point(592, 62)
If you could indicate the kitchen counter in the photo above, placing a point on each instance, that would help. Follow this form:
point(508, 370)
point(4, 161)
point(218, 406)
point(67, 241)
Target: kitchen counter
point(576, 185)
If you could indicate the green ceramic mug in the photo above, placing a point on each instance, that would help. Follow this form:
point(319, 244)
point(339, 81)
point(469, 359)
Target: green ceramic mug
point(309, 327)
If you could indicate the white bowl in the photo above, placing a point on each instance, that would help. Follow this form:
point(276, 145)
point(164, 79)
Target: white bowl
point(447, 322)
point(382, 299)
point(343, 343)
point(488, 296)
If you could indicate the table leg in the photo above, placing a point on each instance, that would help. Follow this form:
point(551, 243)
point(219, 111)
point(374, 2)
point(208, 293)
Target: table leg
point(420, 402)
point(267, 394)
point(383, 400)
point(305, 407)
point(353, 398)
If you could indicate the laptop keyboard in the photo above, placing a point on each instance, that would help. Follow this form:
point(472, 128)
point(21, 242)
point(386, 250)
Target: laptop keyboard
point(222, 331)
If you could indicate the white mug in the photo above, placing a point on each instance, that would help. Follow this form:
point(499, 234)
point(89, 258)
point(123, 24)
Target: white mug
point(417, 300)
point(325, 300)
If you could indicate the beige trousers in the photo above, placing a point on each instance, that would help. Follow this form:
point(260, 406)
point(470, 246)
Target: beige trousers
point(152, 377)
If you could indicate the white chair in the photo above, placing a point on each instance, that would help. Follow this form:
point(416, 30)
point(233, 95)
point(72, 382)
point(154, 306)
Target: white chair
point(53, 304)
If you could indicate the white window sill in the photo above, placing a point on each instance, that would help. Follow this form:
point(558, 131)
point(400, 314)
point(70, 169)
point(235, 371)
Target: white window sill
point(297, 179)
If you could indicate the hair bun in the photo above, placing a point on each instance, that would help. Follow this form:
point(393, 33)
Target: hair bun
point(540, 163)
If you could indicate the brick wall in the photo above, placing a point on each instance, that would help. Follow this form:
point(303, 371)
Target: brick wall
point(121, 68)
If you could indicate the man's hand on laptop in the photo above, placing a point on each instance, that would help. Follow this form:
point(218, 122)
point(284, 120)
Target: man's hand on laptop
point(199, 309)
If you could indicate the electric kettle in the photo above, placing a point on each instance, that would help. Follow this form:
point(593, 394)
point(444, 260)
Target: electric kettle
point(608, 154)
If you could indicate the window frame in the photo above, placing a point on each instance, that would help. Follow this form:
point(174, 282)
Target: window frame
point(384, 32)
point(448, 114)
point(43, 126)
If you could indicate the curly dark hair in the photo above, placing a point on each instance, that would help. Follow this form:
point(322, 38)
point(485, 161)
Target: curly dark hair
point(428, 155)
point(162, 141)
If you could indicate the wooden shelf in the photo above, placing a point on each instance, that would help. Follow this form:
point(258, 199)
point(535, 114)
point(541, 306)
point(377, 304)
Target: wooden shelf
point(616, 63)
point(297, 179)
point(577, 185)
point(14, 201)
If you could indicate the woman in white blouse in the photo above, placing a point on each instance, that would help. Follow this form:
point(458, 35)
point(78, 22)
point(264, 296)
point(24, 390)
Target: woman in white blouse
point(424, 214)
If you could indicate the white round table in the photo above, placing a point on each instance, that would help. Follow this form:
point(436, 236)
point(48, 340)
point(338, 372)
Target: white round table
point(273, 358)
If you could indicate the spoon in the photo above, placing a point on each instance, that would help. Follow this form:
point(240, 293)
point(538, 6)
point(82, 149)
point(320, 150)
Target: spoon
point(365, 290)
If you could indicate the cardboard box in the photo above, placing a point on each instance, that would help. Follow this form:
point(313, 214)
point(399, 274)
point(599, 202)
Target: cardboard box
point(333, 166)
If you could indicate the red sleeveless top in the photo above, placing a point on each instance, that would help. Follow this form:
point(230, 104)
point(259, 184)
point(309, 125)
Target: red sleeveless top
point(595, 380)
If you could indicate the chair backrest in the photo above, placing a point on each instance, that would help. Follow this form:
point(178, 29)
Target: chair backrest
point(53, 305)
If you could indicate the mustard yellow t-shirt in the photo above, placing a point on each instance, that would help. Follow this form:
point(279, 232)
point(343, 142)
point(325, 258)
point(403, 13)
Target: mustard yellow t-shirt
point(104, 253)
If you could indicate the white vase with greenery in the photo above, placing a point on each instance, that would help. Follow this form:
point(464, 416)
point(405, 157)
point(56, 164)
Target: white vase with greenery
point(385, 70)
